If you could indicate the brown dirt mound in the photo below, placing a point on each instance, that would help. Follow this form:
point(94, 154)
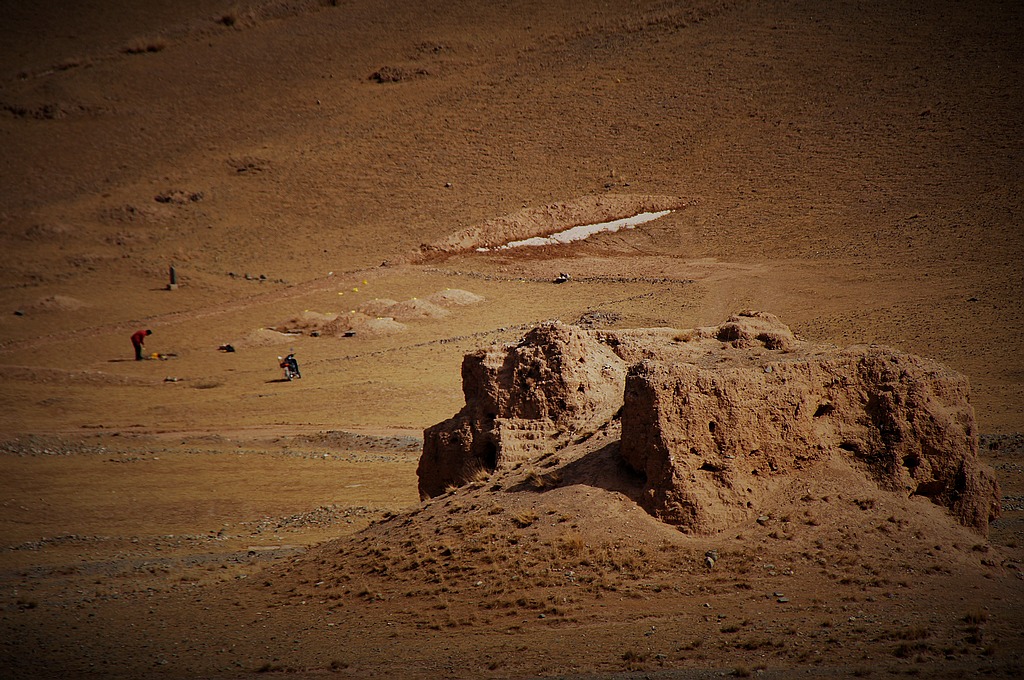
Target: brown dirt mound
point(380, 316)
point(377, 307)
point(305, 322)
point(416, 309)
point(434, 306)
point(361, 324)
point(262, 337)
point(454, 297)
point(381, 326)
point(56, 303)
point(340, 325)
point(561, 543)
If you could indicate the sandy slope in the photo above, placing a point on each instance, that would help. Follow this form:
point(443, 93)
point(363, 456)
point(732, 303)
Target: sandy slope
point(855, 169)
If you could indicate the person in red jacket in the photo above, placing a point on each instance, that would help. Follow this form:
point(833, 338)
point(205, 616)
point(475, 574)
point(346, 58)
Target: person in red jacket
point(138, 340)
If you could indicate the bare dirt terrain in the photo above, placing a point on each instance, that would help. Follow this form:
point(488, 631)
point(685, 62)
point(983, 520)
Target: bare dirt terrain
point(321, 174)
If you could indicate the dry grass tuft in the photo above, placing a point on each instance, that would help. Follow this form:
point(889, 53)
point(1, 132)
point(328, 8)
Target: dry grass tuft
point(207, 384)
point(524, 519)
point(540, 482)
point(478, 475)
point(571, 546)
point(976, 617)
point(906, 650)
point(918, 633)
point(634, 659)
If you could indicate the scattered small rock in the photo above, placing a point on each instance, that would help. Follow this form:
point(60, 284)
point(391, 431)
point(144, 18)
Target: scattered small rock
point(178, 197)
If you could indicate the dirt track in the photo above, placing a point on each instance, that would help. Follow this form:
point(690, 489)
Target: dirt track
point(854, 168)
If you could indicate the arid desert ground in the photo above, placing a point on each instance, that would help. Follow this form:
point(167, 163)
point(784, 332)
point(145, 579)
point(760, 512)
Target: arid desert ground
point(324, 175)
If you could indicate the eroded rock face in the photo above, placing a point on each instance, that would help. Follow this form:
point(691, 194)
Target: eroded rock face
point(520, 402)
point(718, 435)
point(718, 419)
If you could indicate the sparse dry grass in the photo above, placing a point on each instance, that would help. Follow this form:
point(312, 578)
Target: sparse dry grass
point(524, 519)
point(571, 546)
point(541, 482)
point(478, 475)
point(207, 384)
point(533, 479)
point(976, 617)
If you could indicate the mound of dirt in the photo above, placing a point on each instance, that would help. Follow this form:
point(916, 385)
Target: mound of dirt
point(262, 337)
point(559, 544)
point(434, 306)
point(454, 297)
point(361, 324)
point(377, 307)
point(380, 316)
point(56, 303)
point(305, 322)
point(415, 309)
point(46, 232)
point(715, 421)
point(381, 326)
point(546, 220)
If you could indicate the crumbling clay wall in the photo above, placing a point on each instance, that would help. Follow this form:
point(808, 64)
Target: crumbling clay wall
point(716, 436)
point(718, 419)
point(521, 402)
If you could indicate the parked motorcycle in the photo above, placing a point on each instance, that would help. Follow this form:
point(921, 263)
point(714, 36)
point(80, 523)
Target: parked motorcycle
point(290, 366)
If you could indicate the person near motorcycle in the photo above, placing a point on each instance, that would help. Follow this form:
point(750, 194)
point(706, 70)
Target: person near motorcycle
point(291, 366)
point(138, 340)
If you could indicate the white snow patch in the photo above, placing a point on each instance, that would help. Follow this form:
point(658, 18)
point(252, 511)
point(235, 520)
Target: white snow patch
point(581, 232)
